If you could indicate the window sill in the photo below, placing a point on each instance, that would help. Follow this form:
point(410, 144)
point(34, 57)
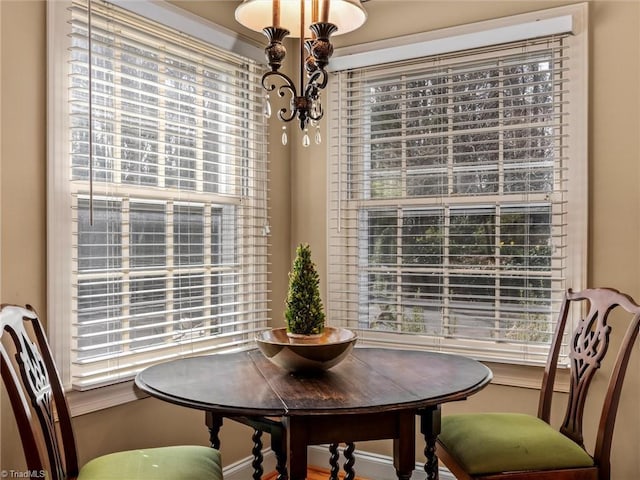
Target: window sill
point(81, 403)
point(524, 376)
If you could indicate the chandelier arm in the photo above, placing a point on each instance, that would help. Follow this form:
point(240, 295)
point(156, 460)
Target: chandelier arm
point(311, 90)
point(283, 111)
point(270, 87)
point(269, 84)
point(325, 78)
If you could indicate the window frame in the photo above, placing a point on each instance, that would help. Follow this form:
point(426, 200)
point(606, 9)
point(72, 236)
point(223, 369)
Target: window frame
point(571, 18)
point(60, 259)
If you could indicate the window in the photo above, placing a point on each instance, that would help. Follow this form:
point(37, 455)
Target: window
point(457, 197)
point(158, 204)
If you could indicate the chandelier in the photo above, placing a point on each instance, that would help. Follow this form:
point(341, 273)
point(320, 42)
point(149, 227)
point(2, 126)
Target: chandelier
point(313, 22)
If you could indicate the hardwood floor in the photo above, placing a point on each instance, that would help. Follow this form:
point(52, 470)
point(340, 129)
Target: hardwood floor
point(314, 473)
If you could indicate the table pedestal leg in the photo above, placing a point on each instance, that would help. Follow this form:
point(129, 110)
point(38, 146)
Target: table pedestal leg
point(333, 461)
point(277, 430)
point(297, 440)
point(350, 473)
point(213, 423)
point(257, 455)
point(430, 428)
point(404, 446)
point(279, 447)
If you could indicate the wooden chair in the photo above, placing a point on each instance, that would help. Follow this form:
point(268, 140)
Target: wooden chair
point(37, 398)
point(507, 446)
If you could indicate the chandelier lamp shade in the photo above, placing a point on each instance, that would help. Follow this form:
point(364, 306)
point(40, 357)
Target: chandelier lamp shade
point(313, 22)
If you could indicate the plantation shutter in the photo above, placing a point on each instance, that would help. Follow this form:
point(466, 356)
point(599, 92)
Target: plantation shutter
point(173, 261)
point(449, 202)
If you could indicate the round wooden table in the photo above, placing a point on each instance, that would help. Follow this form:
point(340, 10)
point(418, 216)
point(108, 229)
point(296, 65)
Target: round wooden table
point(374, 394)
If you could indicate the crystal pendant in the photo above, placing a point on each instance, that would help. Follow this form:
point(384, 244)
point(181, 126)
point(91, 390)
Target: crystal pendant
point(267, 107)
point(284, 136)
point(318, 137)
point(305, 140)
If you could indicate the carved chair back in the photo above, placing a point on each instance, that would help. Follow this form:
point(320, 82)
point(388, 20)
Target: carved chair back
point(36, 394)
point(588, 347)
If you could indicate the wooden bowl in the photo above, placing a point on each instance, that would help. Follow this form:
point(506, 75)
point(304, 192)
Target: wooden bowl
point(307, 354)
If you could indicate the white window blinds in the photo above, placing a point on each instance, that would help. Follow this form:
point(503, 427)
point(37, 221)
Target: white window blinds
point(449, 200)
point(175, 260)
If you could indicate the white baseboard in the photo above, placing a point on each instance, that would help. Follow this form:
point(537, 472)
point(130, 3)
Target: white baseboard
point(368, 465)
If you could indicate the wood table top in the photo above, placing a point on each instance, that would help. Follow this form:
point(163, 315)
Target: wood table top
point(368, 381)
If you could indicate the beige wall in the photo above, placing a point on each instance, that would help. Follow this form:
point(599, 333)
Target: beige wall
point(22, 162)
point(298, 203)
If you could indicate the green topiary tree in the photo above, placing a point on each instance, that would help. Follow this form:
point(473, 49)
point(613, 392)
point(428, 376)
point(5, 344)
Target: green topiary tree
point(304, 313)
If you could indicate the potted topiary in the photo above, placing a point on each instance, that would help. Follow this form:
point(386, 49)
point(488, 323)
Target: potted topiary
point(304, 313)
point(305, 344)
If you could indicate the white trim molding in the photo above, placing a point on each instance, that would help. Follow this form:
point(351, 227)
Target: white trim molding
point(81, 403)
point(567, 19)
point(175, 17)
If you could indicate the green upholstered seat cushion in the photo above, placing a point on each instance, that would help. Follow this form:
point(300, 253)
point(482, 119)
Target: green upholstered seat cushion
point(504, 442)
point(165, 463)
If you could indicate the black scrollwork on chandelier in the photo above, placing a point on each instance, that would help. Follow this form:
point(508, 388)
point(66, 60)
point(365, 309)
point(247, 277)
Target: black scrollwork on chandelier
point(323, 18)
point(306, 107)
